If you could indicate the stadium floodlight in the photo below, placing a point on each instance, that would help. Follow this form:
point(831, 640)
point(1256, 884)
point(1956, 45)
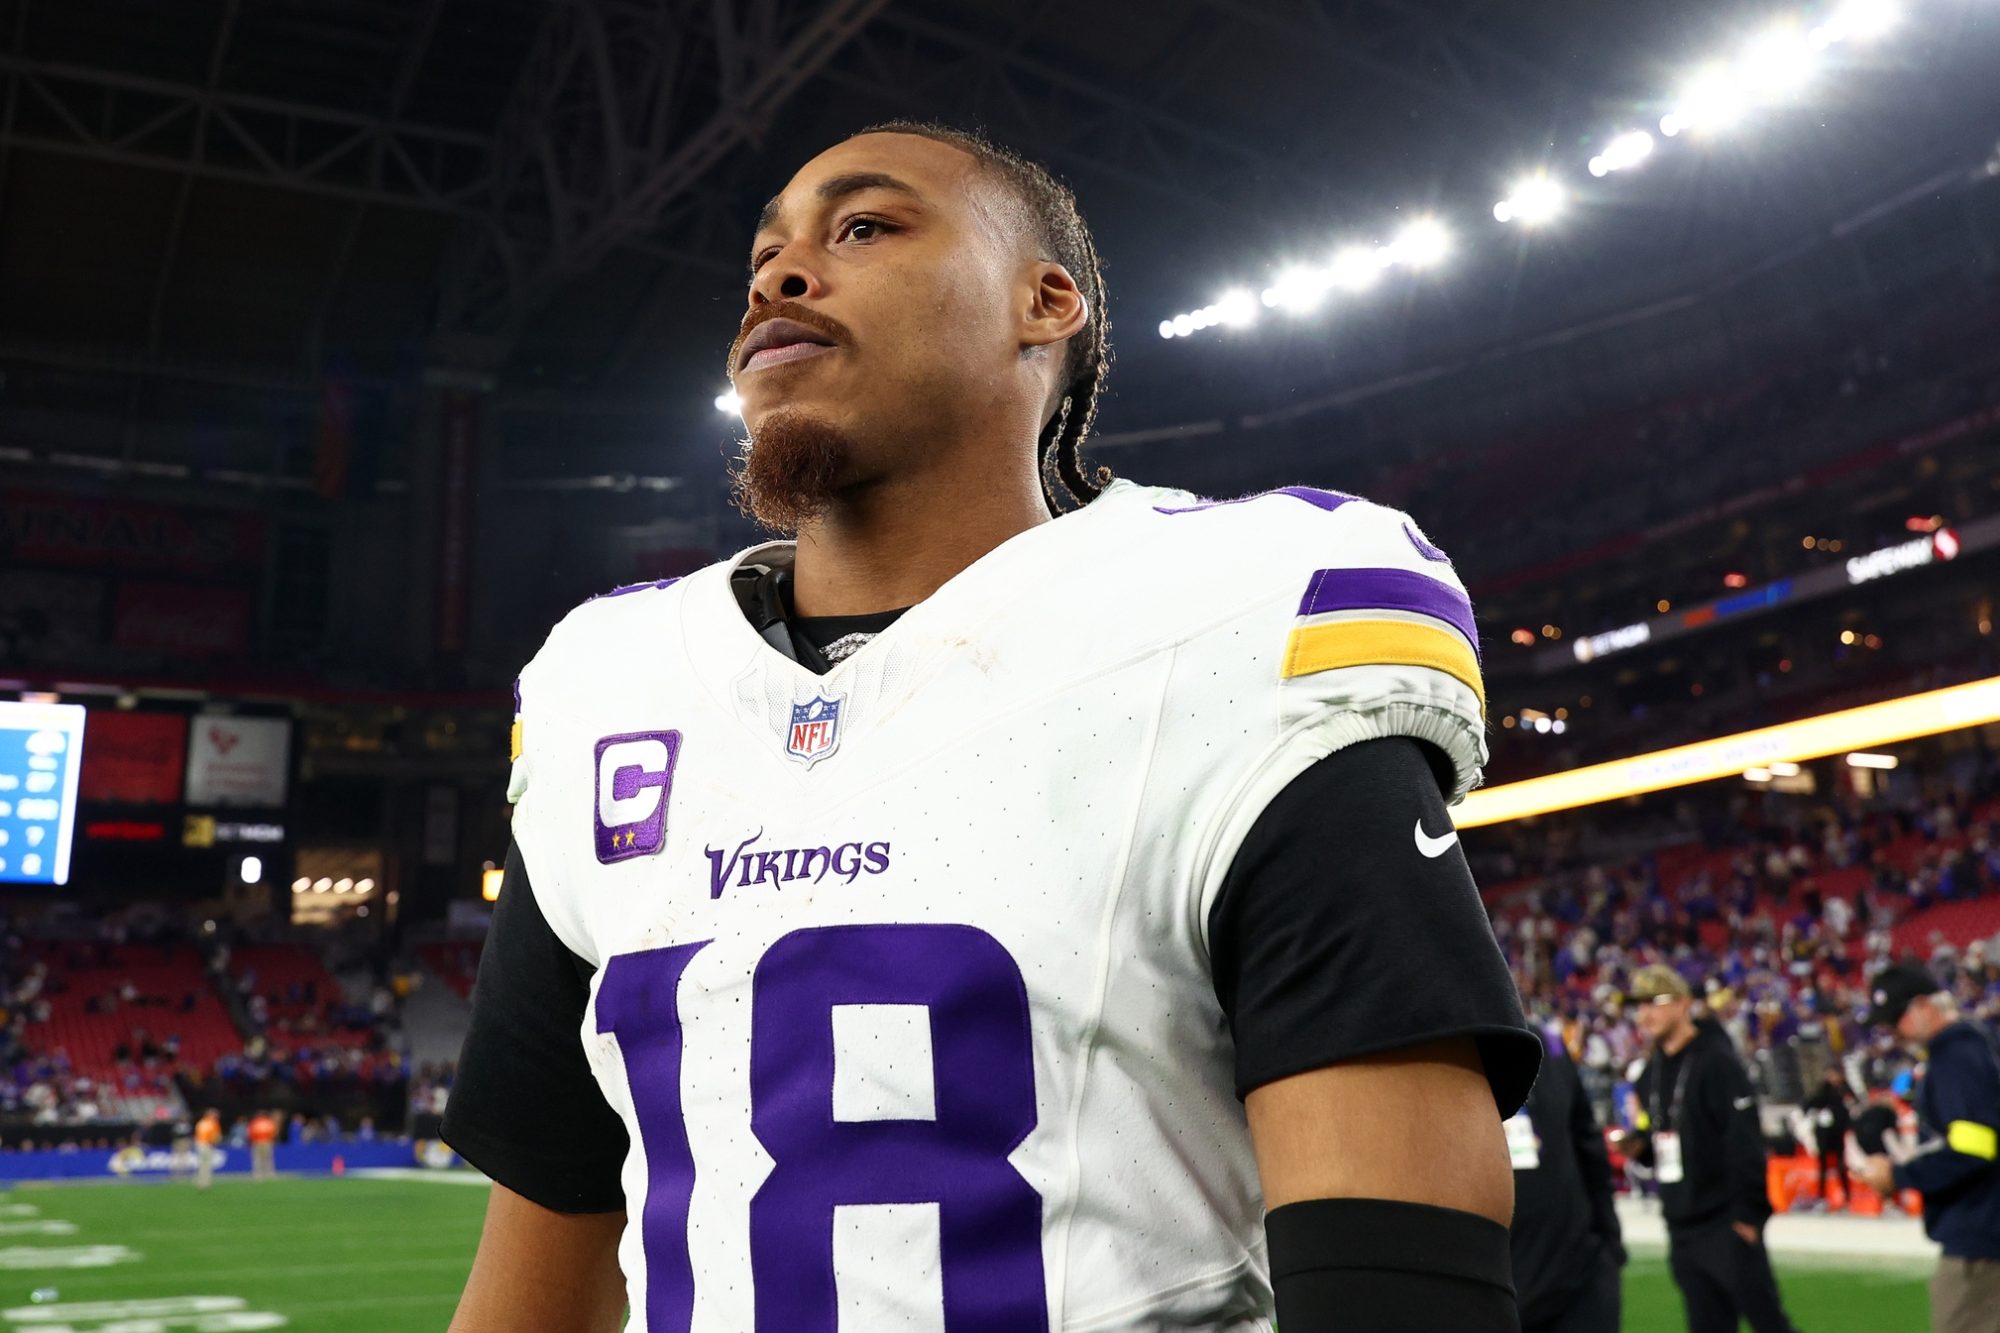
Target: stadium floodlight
point(252, 869)
point(1533, 201)
point(1778, 64)
point(1865, 760)
point(1357, 268)
point(1714, 99)
point(1784, 768)
point(729, 402)
point(1166, 328)
point(1858, 21)
point(1756, 775)
point(1623, 153)
point(1236, 308)
point(1421, 245)
point(1299, 289)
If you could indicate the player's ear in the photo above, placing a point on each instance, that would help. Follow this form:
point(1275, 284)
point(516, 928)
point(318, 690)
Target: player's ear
point(1055, 308)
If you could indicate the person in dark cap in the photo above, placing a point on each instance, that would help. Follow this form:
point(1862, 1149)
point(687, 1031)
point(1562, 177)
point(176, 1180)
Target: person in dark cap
point(1702, 1139)
point(1956, 1165)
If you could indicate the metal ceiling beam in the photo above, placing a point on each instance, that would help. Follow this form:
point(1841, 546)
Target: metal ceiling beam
point(153, 123)
point(617, 116)
point(414, 52)
point(177, 223)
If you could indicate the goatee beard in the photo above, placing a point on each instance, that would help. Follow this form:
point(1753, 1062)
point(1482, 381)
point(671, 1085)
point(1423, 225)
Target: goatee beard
point(790, 472)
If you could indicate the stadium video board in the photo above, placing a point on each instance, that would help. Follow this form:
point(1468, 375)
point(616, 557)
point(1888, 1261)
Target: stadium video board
point(41, 753)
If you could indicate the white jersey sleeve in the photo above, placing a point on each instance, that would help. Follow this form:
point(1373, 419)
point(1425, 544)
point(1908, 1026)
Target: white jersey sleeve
point(1343, 624)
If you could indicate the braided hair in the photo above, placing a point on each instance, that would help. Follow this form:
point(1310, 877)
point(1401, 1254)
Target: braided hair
point(1059, 229)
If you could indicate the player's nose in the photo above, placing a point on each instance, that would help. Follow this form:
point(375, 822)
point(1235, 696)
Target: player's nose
point(785, 276)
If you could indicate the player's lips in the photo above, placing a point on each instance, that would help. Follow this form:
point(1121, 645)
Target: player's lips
point(778, 340)
point(777, 356)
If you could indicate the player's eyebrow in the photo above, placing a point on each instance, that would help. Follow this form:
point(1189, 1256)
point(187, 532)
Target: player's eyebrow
point(836, 188)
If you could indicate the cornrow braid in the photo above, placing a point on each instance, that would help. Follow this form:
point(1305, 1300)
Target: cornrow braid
point(1056, 223)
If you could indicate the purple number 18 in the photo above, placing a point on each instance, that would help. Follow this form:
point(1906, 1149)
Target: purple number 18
point(989, 1218)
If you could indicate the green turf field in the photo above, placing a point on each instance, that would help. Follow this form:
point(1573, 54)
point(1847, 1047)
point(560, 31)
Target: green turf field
point(1821, 1296)
point(388, 1256)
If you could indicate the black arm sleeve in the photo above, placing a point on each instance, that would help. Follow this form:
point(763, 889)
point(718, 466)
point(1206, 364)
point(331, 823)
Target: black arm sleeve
point(525, 1108)
point(1389, 1267)
point(1336, 936)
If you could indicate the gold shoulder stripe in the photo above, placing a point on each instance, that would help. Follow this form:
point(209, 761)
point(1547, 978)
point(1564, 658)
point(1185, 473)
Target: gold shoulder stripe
point(514, 742)
point(1350, 643)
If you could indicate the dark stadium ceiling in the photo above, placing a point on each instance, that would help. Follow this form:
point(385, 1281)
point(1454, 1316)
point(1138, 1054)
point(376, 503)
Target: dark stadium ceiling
point(558, 194)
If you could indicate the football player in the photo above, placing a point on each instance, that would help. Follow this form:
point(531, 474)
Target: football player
point(955, 919)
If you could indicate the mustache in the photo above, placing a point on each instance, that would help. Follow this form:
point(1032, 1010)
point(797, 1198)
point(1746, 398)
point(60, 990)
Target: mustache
point(806, 315)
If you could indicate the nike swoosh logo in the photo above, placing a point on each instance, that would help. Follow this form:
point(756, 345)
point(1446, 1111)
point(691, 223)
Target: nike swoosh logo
point(1434, 847)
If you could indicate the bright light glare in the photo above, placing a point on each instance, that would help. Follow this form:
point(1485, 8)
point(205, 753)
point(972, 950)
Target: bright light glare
point(729, 402)
point(1298, 290)
point(1713, 100)
point(1626, 151)
point(1237, 308)
point(1866, 760)
point(1778, 64)
point(1422, 244)
point(1356, 269)
point(252, 870)
point(1534, 201)
point(1859, 21)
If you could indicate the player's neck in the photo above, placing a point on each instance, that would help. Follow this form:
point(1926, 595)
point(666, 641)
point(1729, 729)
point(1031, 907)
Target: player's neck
point(895, 543)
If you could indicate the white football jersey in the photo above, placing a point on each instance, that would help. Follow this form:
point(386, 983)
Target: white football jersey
point(903, 988)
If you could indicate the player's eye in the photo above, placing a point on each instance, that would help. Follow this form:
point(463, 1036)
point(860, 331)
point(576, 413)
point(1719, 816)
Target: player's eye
point(849, 228)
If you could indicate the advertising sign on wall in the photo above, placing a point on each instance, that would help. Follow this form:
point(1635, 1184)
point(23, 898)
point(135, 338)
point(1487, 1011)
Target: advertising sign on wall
point(45, 528)
point(135, 758)
point(238, 760)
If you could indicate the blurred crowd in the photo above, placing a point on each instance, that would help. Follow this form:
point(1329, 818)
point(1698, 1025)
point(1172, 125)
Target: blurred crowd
point(1779, 918)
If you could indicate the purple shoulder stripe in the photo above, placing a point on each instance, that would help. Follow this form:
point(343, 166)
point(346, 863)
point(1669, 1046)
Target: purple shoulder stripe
point(1390, 590)
point(517, 695)
point(636, 587)
point(1424, 548)
point(1327, 500)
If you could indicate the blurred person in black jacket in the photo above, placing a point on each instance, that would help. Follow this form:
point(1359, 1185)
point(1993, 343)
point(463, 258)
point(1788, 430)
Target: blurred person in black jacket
point(1956, 1162)
point(1705, 1146)
point(1567, 1245)
point(1831, 1120)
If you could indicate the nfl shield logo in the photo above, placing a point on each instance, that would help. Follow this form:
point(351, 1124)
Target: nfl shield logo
point(815, 730)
